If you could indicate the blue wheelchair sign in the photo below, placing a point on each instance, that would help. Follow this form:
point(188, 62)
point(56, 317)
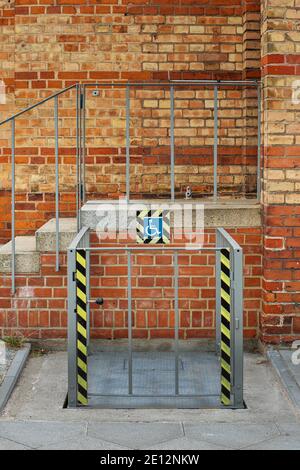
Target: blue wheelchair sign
point(153, 227)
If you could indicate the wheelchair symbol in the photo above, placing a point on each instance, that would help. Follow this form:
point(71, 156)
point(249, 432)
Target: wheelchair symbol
point(153, 227)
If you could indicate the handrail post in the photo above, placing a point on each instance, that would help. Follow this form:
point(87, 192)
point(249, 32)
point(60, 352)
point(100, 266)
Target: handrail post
point(56, 183)
point(215, 143)
point(77, 155)
point(128, 143)
point(13, 203)
point(172, 144)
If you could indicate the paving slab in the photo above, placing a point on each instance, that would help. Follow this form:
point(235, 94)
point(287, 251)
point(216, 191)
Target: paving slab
point(279, 443)
point(83, 443)
point(38, 433)
point(135, 434)
point(184, 443)
point(6, 444)
point(233, 436)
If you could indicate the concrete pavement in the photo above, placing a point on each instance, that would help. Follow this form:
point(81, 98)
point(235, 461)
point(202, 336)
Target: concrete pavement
point(34, 417)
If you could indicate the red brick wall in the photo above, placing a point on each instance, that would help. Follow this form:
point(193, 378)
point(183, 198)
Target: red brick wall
point(49, 45)
point(38, 309)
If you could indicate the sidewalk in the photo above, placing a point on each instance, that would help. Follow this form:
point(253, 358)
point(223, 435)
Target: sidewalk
point(34, 417)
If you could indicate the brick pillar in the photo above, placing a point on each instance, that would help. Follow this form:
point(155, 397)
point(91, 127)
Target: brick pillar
point(251, 70)
point(280, 319)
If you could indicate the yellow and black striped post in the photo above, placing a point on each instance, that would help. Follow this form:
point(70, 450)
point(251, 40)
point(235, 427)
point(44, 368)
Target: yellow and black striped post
point(81, 328)
point(226, 372)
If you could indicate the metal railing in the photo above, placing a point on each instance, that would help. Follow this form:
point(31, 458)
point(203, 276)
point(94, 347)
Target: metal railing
point(215, 84)
point(13, 119)
point(223, 241)
point(81, 143)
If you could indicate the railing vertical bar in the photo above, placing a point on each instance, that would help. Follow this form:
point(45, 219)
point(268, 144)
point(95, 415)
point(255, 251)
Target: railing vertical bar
point(172, 143)
point(128, 143)
point(83, 144)
point(258, 141)
point(176, 336)
point(77, 154)
point(13, 203)
point(129, 320)
point(56, 183)
point(215, 143)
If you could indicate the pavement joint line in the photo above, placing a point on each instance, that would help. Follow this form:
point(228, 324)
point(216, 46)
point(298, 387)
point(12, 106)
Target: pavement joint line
point(17, 442)
point(110, 442)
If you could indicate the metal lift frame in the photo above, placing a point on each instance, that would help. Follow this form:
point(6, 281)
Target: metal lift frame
point(229, 322)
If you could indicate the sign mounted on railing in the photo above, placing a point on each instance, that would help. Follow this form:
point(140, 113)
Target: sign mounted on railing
point(153, 226)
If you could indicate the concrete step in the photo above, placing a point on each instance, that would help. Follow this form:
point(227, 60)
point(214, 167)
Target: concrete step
point(46, 235)
point(27, 257)
point(224, 213)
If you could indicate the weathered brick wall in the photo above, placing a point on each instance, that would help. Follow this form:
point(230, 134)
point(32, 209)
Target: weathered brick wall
point(280, 320)
point(54, 44)
point(38, 310)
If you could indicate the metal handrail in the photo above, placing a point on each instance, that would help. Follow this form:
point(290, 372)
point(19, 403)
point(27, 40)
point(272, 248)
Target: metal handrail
point(25, 110)
point(12, 119)
point(80, 141)
point(171, 84)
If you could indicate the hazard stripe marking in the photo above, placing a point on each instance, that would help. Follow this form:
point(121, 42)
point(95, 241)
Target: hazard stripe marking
point(81, 328)
point(225, 328)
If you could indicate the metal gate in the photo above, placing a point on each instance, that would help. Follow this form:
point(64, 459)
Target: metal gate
point(229, 325)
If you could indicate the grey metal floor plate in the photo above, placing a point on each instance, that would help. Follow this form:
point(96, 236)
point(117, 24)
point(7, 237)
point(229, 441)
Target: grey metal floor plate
point(154, 380)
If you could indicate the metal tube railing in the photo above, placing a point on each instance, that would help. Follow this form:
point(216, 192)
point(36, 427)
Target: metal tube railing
point(13, 207)
point(56, 183)
point(172, 143)
point(128, 144)
point(171, 85)
point(12, 119)
point(215, 143)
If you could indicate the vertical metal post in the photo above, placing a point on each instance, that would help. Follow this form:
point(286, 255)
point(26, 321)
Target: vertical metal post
point(215, 142)
point(258, 141)
point(128, 143)
point(72, 335)
point(172, 143)
point(77, 155)
point(176, 335)
point(88, 296)
point(13, 203)
point(56, 184)
point(218, 293)
point(129, 323)
point(83, 145)
point(237, 326)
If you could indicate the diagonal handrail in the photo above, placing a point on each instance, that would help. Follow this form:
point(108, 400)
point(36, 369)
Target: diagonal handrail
point(25, 110)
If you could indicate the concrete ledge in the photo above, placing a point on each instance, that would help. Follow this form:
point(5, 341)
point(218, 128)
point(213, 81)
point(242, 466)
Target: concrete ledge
point(237, 213)
point(13, 374)
point(46, 235)
point(27, 258)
